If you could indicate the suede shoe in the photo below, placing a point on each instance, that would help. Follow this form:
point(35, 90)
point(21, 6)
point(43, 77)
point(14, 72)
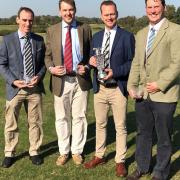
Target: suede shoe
point(135, 175)
point(36, 160)
point(121, 170)
point(94, 162)
point(7, 162)
point(62, 159)
point(77, 158)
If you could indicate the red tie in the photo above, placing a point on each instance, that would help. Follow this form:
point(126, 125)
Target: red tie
point(68, 51)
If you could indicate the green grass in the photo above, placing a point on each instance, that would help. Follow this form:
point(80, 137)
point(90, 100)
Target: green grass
point(96, 27)
point(23, 168)
point(11, 28)
point(8, 27)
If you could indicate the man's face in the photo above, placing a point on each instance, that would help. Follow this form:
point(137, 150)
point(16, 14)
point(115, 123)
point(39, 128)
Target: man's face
point(109, 15)
point(155, 11)
point(67, 12)
point(25, 21)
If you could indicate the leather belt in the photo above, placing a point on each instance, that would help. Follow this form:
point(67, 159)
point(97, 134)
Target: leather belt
point(72, 74)
point(109, 85)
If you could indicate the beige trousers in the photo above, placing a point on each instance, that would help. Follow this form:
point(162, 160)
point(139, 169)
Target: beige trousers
point(103, 100)
point(32, 101)
point(71, 105)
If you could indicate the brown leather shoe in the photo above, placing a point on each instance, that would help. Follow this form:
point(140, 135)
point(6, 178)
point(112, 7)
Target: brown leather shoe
point(121, 170)
point(135, 175)
point(94, 162)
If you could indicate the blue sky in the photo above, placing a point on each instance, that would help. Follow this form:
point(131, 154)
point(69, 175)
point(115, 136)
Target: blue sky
point(87, 8)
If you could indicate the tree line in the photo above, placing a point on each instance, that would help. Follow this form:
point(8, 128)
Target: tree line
point(131, 23)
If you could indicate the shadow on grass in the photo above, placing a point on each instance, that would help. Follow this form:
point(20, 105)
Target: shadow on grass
point(131, 128)
point(49, 149)
point(52, 147)
point(175, 165)
point(45, 150)
point(111, 136)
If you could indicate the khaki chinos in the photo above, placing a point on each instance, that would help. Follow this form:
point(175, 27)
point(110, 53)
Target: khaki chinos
point(105, 98)
point(32, 100)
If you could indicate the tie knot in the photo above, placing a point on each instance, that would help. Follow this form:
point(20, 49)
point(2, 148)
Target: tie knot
point(108, 34)
point(153, 30)
point(69, 27)
point(27, 37)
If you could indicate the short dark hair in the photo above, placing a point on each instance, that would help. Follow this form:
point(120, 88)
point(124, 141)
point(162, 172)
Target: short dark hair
point(162, 2)
point(71, 2)
point(107, 3)
point(24, 9)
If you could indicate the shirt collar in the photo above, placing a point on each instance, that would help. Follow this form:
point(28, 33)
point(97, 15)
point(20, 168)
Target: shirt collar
point(21, 34)
point(158, 25)
point(65, 25)
point(111, 30)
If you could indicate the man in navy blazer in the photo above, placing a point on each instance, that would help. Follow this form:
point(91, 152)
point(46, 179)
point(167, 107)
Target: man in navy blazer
point(22, 66)
point(111, 90)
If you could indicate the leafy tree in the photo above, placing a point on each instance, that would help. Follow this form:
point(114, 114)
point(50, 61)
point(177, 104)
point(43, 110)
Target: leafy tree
point(177, 16)
point(131, 23)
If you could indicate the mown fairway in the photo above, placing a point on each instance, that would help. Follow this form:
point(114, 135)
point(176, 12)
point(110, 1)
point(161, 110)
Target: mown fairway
point(23, 169)
point(8, 27)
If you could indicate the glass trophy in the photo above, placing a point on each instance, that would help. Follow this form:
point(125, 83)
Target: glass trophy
point(138, 92)
point(28, 80)
point(100, 63)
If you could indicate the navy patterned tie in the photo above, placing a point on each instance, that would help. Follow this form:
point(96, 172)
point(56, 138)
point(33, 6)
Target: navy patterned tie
point(106, 51)
point(28, 57)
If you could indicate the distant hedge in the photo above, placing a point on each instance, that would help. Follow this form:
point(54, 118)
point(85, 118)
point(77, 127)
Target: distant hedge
point(5, 32)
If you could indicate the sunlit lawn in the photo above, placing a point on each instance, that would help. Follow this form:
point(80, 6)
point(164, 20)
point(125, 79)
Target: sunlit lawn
point(23, 168)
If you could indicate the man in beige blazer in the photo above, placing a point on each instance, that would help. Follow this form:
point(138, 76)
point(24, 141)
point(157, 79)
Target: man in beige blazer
point(70, 80)
point(154, 82)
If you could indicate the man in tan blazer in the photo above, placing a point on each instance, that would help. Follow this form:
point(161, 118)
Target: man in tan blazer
point(67, 55)
point(154, 83)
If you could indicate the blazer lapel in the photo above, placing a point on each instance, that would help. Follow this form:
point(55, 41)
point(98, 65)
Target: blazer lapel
point(99, 45)
point(58, 41)
point(144, 42)
point(80, 36)
point(34, 46)
point(116, 39)
point(19, 53)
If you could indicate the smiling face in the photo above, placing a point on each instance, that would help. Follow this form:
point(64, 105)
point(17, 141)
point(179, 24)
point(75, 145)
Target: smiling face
point(109, 15)
point(155, 11)
point(25, 21)
point(67, 12)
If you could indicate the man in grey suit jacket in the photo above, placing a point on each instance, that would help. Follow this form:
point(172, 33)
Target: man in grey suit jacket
point(70, 80)
point(22, 66)
point(154, 83)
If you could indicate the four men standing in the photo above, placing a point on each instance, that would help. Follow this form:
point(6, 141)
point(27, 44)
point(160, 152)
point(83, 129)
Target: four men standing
point(153, 82)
